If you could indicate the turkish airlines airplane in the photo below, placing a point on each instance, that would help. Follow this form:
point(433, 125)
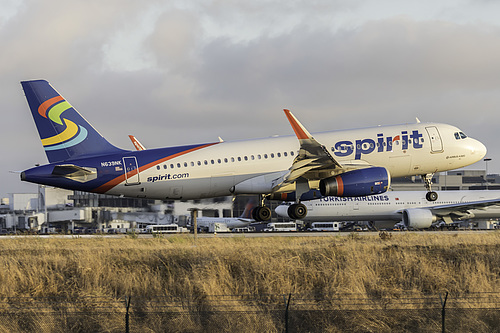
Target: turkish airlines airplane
point(410, 207)
point(346, 163)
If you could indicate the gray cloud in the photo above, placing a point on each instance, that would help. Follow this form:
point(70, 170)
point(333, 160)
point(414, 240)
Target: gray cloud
point(190, 72)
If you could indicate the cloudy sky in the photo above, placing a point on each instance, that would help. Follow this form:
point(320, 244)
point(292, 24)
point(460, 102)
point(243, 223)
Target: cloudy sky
point(181, 72)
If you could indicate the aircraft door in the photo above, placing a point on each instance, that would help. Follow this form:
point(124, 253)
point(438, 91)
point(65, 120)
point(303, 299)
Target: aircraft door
point(131, 170)
point(435, 139)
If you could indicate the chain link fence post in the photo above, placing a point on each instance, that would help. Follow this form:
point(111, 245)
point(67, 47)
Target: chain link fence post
point(127, 314)
point(286, 311)
point(443, 311)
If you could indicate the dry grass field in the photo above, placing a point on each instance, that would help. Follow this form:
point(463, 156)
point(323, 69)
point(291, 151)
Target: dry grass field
point(426, 263)
point(177, 266)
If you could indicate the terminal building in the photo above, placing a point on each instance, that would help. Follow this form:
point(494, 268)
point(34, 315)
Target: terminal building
point(58, 210)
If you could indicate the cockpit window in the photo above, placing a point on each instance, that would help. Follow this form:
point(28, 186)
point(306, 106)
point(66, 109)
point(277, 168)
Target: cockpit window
point(460, 135)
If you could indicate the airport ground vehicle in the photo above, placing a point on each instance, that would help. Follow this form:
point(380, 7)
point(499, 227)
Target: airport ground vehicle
point(165, 229)
point(278, 226)
point(325, 226)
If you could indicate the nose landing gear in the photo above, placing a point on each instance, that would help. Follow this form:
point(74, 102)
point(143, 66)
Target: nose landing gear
point(431, 195)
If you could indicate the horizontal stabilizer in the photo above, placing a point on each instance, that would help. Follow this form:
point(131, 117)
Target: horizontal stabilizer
point(75, 172)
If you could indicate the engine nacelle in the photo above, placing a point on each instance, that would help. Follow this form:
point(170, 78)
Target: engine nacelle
point(418, 218)
point(357, 183)
point(294, 211)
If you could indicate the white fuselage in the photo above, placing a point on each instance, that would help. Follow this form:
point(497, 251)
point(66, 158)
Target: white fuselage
point(390, 205)
point(411, 149)
point(230, 222)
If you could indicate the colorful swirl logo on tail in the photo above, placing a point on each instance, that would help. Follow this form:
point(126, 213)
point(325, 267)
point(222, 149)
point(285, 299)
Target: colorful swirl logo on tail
point(72, 135)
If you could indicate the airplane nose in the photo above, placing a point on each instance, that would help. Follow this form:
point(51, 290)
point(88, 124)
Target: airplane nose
point(478, 149)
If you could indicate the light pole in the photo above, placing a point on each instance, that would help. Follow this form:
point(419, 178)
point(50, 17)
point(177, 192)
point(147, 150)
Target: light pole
point(486, 160)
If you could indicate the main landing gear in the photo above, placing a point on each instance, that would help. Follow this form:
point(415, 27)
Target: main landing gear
point(297, 211)
point(431, 195)
point(261, 213)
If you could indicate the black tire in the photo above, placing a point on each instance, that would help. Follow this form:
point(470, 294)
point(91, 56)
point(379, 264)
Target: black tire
point(261, 213)
point(431, 196)
point(297, 211)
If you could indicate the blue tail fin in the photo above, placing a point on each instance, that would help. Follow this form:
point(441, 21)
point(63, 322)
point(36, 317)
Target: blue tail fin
point(65, 134)
point(247, 213)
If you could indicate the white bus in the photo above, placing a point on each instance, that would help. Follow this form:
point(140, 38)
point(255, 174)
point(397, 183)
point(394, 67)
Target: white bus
point(165, 229)
point(281, 226)
point(325, 226)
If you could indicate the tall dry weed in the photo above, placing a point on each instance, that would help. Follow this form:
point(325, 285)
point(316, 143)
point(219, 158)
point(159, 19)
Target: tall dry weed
point(212, 266)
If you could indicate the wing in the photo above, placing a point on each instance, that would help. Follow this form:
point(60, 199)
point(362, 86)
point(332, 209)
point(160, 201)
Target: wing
point(463, 209)
point(313, 161)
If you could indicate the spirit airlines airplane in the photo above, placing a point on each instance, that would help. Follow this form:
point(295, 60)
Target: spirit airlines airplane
point(410, 207)
point(346, 163)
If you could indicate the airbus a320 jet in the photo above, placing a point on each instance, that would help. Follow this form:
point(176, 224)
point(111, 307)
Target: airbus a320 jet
point(345, 163)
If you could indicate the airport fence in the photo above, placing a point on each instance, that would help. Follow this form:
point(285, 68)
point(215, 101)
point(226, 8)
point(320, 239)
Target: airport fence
point(472, 312)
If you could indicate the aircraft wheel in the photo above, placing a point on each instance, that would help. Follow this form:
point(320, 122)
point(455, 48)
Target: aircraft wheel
point(297, 211)
point(261, 213)
point(431, 196)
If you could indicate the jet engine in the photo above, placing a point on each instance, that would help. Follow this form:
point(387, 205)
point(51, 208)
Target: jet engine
point(418, 218)
point(356, 183)
point(295, 211)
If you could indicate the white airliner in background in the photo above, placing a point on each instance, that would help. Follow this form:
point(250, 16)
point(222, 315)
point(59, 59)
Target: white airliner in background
point(242, 221)
point(344, 163)
point(410, 207)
